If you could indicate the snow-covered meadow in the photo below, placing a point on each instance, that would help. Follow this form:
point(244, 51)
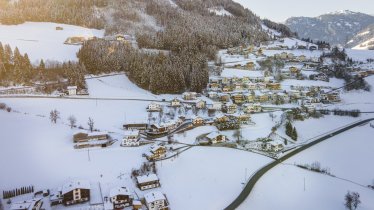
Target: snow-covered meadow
point(348, 156)
point(207, 178)
point(41, 40)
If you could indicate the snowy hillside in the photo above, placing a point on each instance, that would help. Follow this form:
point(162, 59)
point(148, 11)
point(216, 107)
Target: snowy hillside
point(42, 40)
point(364, 40)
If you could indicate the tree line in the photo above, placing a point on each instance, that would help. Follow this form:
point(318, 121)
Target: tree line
point(197, 28)
point(75, 12)
point(162, 72)
point(16, 69)
point(286, 32)
point(17, 191)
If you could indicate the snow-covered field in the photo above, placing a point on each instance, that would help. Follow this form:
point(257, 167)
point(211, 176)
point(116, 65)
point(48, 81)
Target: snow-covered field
point(360, 55)
point(41, 40)
point(116, 86)
point(108, 115)
point(347, 155)
point(42, 154)
point(207, 178)
point(358, 99)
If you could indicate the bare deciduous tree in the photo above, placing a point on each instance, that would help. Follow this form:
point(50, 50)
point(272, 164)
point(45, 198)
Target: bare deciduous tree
point(91, 124)
point(72, 121)
point(54, 115)
point(352, 200)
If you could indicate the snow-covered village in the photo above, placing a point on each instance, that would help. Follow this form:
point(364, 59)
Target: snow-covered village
point(185, 105)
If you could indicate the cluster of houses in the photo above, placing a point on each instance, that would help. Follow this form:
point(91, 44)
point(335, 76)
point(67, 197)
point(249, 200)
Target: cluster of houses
point(80, 191)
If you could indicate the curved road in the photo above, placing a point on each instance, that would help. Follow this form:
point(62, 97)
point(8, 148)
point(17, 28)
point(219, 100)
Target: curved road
point(256, 176)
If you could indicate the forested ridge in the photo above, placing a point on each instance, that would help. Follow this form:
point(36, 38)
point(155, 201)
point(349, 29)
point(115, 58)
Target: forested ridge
point(188, 30)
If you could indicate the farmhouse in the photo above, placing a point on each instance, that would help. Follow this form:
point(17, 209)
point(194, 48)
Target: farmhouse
point(148, 181)
point(274, 146)
point(137, 205)
point(76, 191)
point(131, 138)
point(216, 106)
point(136, 126)
point(95, 139)
point(175, 103)
point(197, 121)
point(212, 95)
point(157, 152)
point(156, 201)
point(72, 90)
point(238, 98)
point(120, 197)
point(154, 107)
point(250, 65)
point(216, 137)
point(34, 204)
point(224, 97)
point(273, 86)
point(163, 127)
point(200, 104)
point(221, 119)
point(230, 108)
point(252, 107)
point(294, 70)
point(189, 96)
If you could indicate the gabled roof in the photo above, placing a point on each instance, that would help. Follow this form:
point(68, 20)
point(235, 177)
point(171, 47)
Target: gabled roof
point(147, 178)
point(213, 135)
point(131, 133)
point(119, 191)
point(154, 196)
point(75, 184)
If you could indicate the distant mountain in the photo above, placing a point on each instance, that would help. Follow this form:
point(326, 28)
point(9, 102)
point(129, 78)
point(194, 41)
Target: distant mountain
point(337, 28)
point(363, 39)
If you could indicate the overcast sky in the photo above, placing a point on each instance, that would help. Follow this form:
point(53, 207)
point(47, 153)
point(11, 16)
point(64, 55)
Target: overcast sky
point(280, 10)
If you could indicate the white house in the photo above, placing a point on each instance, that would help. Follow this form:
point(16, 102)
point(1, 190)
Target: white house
point(217, 106)
point(156, 201)
point(154, 107)
point(148, 181)
point(175, 103)
point(72, 90)
point(131, 138)
point(200, 104)
point(252, 107)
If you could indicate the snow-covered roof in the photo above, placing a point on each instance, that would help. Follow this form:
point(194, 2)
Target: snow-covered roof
point(102, 133)
point(213, 135)
point(131, 133)
point(147, 178)
point(29, 204)
point(75, 184)
point(136, 202)
point(72, 87)
point(119, 191)
point(153, 149)
point(154, 196)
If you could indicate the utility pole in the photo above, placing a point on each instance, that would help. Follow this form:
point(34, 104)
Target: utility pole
point(304, 184)
point(88, 153)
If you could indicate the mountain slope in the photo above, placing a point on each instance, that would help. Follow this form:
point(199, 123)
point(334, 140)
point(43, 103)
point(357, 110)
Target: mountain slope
point(363, 39)
point(337, 27)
